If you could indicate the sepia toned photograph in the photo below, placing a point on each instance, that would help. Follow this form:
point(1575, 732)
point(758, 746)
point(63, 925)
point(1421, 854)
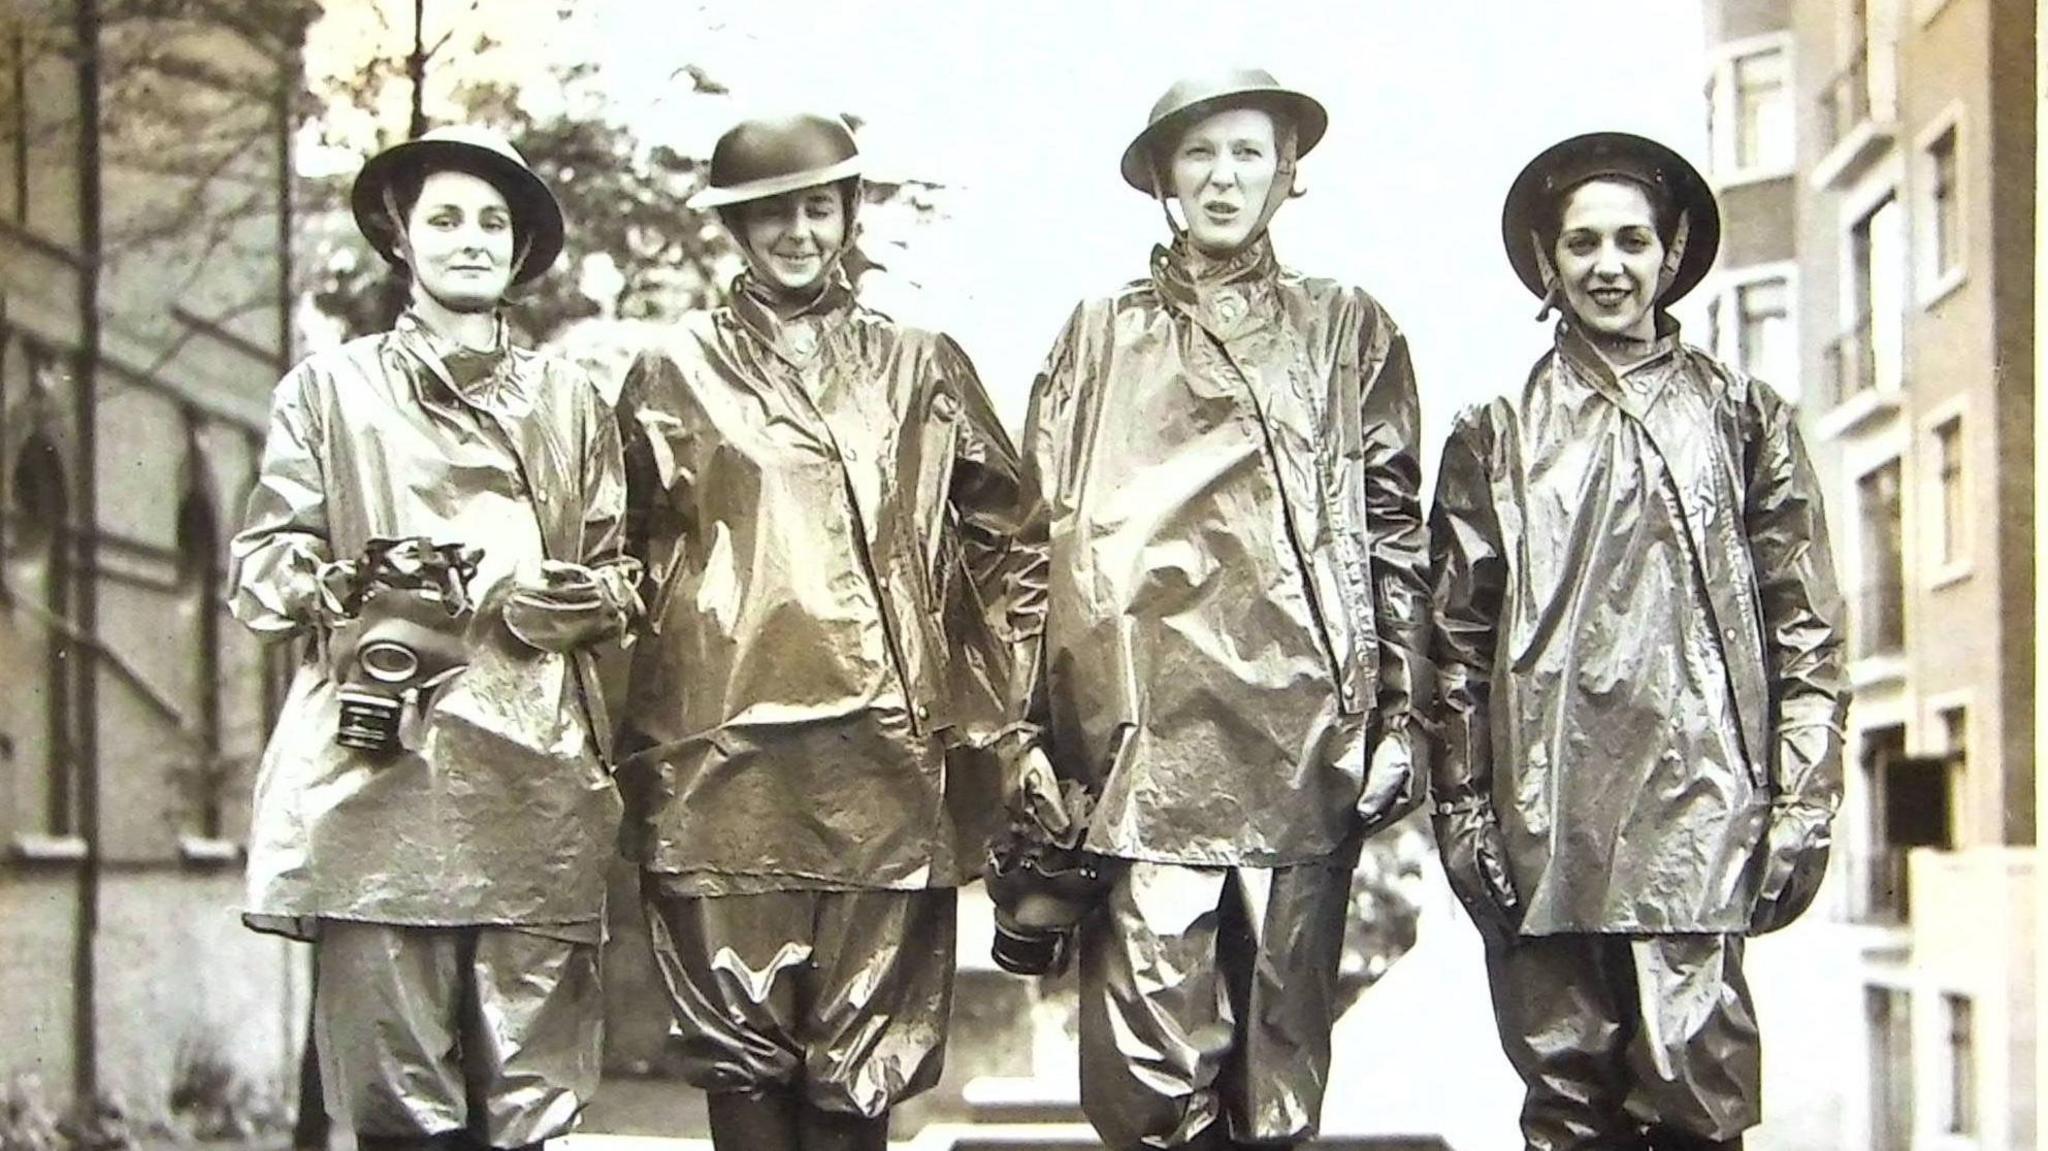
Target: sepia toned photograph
point(959, 575)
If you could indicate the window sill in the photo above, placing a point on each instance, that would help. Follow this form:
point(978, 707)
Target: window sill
point(1866, 405)
point(1948, 574)
point(1944, 286)
point(49, 849)
point(1857, 150)
point(199, 851)
point(1744, 177)
point(1875, 670)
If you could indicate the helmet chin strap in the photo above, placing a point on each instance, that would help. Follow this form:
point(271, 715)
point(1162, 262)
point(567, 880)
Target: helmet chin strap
point(1284, 187)
point(403, 243)
point(728, 219)
point(1667, 272)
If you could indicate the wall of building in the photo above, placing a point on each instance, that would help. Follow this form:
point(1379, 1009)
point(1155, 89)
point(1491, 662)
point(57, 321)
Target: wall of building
point(188, 338)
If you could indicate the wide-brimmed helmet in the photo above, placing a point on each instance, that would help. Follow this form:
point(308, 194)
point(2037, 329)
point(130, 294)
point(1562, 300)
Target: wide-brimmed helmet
point(1537, 195)
point(761, 158)
point(536, 216)
point(1193, 98)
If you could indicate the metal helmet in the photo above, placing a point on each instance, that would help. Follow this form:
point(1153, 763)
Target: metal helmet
point(536, 216)
point(760, 158)
point(1192, 98)
point(1565, 165)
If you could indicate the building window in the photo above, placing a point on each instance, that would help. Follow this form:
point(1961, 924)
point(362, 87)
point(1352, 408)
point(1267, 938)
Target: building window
point(1944, 208)
point(1962, 1065)
point(199, 581)
point(1889, 1013)
point(1950, 504)
point(1955, 734)
point(1871, 354)
point(1763, 332)
point(1880, 620)
point(1763, 112)
point(39, 562)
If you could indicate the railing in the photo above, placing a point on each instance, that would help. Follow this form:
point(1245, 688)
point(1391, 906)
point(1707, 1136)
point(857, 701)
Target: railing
point(1845, 100)
point(1880, 624)
point(1851, 365)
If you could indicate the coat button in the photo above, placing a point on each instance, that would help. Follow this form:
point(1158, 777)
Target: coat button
point(1729, 635)
point(924, 711)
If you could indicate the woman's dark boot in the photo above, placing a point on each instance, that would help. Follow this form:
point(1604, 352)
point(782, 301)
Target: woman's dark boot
point(843, 1130)
point(763, 1120)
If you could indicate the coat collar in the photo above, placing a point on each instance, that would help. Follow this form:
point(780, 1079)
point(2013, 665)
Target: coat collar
point(1635, 383)
point(487, 379)
point(1229, 297)
point(795, 339)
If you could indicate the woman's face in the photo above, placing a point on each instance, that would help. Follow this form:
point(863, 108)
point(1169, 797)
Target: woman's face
point(1609, 256)
point(1222, 172)
point(458, 241)
point(792, 240)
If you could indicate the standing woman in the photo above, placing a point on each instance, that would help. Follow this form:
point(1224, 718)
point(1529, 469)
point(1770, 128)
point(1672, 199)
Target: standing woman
point(824, 498)
point(439, 511)
point(1643, 686)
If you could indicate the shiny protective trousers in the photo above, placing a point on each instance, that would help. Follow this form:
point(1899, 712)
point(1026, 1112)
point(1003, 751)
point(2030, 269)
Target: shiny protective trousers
point(1615, 1033)
point(841, 996)
point(425, 1031)
point(1207, 997)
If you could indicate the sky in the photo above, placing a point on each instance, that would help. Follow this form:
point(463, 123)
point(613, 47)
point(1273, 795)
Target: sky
point(1022, 109)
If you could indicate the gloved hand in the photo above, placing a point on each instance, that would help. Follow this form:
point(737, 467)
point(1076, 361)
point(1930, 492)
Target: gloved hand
point(1475, 859)
point(1391, 779)
point(572, 606)
point(1794, 861)
point(1031, 791)
point(338, 588)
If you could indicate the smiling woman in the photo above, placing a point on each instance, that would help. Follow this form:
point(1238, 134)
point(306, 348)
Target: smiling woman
point(1608, 257)
point(794, 240)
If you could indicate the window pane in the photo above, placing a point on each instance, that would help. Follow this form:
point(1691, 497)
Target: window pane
point(1878, 251)
point(1962, 1064)
point(1880, 611)
point(1948, 444)
point(1763, 112)
point(1890, 1016)
point(1945, 214)
point(1764, 337)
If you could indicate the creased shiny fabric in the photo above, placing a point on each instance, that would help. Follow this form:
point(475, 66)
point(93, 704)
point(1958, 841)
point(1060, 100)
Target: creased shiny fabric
point(1207, 997)
point(825, 504)
point(505, 813)
point(1230, 594)
point(1612, 1033)
point(422, 1030)
point(843, 995)
point(1639, 637)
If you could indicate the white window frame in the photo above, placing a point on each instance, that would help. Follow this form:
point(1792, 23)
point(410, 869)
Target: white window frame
point(1943, 1118)
point(1887, 179)
point(1724, 292)
point(1954, 568)
point(1723, 106)
point(1860, 458)
point(1927, 737)
point(1932, 283)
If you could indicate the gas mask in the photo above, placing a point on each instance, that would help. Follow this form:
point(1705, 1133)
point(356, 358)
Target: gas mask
point(406, 638)
point(1042, 885)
